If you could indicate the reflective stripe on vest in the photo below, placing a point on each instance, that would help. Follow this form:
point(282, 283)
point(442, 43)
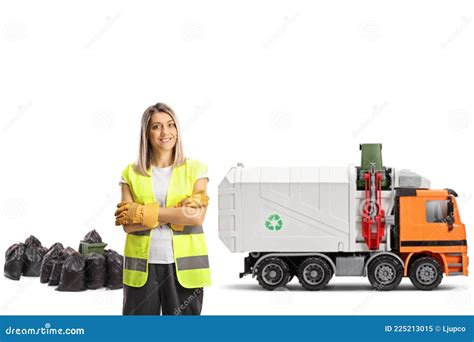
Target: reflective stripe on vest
point(135, 264)
point(141, 232)
point(192, 263)
point(189, 246)
point(190, 230)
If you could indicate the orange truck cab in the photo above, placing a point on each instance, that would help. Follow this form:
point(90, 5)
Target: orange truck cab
point(431, 236)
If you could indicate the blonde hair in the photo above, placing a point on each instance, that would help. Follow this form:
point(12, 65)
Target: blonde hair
point(145, 153)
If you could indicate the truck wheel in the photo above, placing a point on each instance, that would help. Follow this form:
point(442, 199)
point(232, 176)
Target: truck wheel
point(426, 273)
point(385, 273)
point(314, 273)
point(273, 273)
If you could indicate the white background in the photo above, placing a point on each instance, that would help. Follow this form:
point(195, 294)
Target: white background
point(282, 83)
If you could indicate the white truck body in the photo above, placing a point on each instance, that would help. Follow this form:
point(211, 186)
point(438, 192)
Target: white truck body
point(319, 208)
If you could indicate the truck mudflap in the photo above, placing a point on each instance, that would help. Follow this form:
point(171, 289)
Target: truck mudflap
point(247, 267)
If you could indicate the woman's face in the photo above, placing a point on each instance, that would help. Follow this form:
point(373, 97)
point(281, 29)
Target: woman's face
point(162, 132)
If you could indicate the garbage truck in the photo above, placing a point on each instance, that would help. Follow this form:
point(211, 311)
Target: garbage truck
point(371, 220)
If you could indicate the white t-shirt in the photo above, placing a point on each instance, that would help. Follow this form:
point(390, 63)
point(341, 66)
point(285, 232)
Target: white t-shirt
point(161, 244)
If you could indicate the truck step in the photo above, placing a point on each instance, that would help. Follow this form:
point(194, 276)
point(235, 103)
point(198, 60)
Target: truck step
point(453, 254)
point(455, 265)
point(455, 273)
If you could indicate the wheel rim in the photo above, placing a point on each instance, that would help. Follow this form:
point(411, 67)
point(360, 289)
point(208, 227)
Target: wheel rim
point(426, 274)
point(272, 274)
point(313, 274)
point(385, 273)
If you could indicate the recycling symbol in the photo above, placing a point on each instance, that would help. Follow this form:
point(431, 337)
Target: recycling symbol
point(274, 222)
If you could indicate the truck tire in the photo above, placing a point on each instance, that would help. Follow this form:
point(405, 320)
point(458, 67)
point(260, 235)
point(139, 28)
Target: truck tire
point(314, 273)
point(273, 273)
point(385, 273)
point(426, 273)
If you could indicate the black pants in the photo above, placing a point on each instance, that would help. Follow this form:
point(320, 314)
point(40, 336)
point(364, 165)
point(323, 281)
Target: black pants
point(162, 293)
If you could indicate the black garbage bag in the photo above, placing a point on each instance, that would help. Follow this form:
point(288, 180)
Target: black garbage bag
point(92, 237)
point(34, 253)
point(55, 275)
point(57, 267)
point(33, 258)
point(48, 261)
point(114, 269)
point(56, 245)
point(14, 257)
point(32, 241)
point(73, 277)
point(96, 271)
point(68, 251)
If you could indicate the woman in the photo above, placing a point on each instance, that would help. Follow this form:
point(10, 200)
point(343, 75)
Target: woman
point(162, 209)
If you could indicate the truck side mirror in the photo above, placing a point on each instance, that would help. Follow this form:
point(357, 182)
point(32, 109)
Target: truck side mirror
point(450, 218)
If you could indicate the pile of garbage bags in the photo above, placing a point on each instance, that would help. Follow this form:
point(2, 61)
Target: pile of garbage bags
point(65, 267)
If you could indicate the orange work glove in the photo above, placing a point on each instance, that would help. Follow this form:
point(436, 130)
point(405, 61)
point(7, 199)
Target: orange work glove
point(134, 213)
point(196, 200)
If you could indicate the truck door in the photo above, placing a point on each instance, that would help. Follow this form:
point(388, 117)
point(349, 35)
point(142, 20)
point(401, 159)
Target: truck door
point(430, 221)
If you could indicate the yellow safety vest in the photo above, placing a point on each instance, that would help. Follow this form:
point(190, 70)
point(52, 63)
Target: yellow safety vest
point(189, 245)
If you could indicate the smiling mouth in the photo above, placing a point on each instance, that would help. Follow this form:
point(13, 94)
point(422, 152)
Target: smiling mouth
point(165, 140)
